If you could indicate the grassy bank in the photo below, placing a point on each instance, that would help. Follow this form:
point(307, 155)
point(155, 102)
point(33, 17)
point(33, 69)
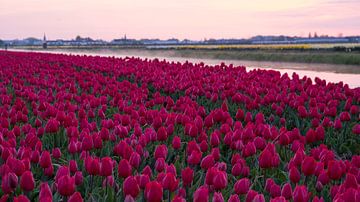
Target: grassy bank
point(326, 57)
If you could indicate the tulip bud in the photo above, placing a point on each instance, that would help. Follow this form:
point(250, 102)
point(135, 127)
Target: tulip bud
point(76, 197)
point(135, 160)
point(201, 194)
point(220, 180)
point(45, 159)
point(13, 180)
point(56, 153)
point(218, 197)
point(236, 169)
point(286, 191)
point(73, 166)
point(234, 198)
point(294, 175)
point(334, 170)
point(308, 166)
point(301, 194)
point(131, 187)
point(259, 198)
point(124, 168)
point(242, 186)
point(153, 192)
point(78, 178)
point(21, 198)
point(27, 182)
point(176, 143)
point(66, 185)
point(318, 186)
point(187, 176)
point(160, 164)
point(275, 191)
point(106, 166)
point(45, 193)
point(170, 182)
point(142, 180)
point(207, 162)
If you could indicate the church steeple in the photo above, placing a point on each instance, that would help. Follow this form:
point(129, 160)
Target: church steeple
point(44, 42)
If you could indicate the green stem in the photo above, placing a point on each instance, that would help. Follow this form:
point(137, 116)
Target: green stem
point(169, 200)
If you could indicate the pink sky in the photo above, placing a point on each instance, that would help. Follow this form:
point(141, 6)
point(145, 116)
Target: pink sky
point(192, 19)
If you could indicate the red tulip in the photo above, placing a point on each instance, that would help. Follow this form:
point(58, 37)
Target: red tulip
point(52, 126)
point(259, 198)
point(45, 159)
point(334, 170)
point(8, 183)
point(72, 147)
point(218, 197)
point(124, 168)
point(318, 186)
point(73, 166)
point(187, 176)
point(56, 153)
point(278, 199)
point(27, 182)
point(301, 194)
point(207, 162)
point(135, 160)
point(323, 177)
point(153, 192)
point(63, 170)
point(178, 199)
point(242, 186)
point(234, 198)
point(49, 171)
point(21, 198)
point(220, 180)
point(160, 164)
point(356, 129)
point(286, 191)
point(161, 151)
point(170, 182)
point(275, 191)
point(76, 197)
point(66, 185)
point(131, 187)
point(294, 175)
point(308, 166)
point(17, 166)
point(161, 134)
point(78, 178)
point(201, 194)
point(265, 159)
point(129, 198)
point(92, 165)
point(194, 158)
point(106, 166)
point(176, 143)
point(142, 180)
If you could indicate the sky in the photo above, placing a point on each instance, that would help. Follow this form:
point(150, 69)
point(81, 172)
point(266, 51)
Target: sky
point(182, 19)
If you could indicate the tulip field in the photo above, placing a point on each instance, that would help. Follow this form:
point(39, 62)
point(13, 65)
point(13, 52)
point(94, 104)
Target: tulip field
point(90, 128)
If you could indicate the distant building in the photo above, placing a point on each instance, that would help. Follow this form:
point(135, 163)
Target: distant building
point(44, 45)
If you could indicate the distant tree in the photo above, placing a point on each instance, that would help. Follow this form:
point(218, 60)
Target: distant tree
point(78, 38)
point(1, 42)
point(315, 35)
point(309, 35)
